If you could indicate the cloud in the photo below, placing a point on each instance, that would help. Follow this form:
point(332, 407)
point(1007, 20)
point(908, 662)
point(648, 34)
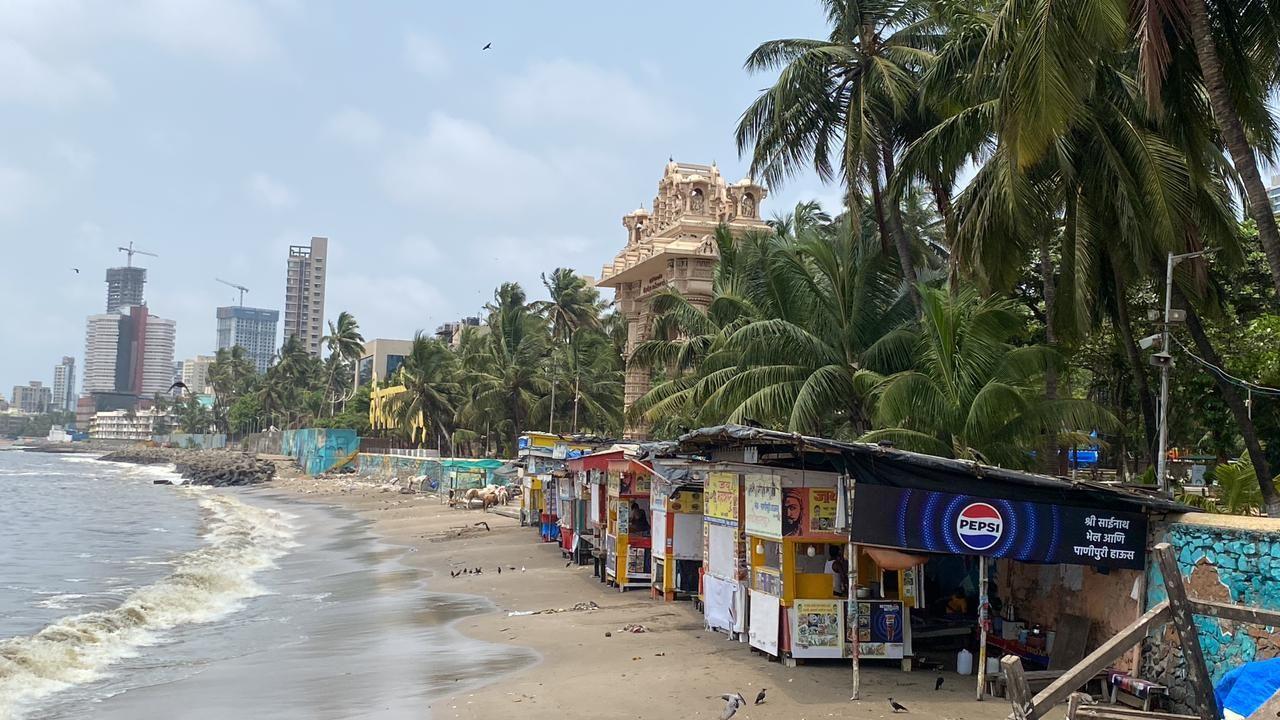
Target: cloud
point(269, 192)
point(418, 250)
point(231, 31)
point(424, 55)
point(460, 166)
point(387, 305)
point(354, 126)
point(26, 77)
point(563, 92)
point(78, 159)
point(18, 189)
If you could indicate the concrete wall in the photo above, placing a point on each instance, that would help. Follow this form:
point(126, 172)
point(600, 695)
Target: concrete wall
point(391, 467)
point(264, 443)
point(202, 441)
point(1225, 558)
point(318, 450)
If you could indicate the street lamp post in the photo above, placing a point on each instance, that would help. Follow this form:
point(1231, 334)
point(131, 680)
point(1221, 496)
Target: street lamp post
point(1165, 360)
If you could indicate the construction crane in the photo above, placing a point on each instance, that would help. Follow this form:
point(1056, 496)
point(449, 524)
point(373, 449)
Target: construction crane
point(131, 252)
point(241, 288)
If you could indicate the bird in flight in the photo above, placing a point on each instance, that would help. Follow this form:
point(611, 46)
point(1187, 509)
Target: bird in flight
point(77, 270)
point(896, 707)
point(487, 46)
point(732, 701)
point(760, 697)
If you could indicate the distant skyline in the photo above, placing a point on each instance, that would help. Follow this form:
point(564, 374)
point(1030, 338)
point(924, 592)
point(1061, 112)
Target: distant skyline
point(216, 133)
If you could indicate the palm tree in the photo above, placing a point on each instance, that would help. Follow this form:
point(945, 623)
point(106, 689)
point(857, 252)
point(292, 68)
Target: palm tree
point(346, 345)
point(574, 305)
point(344, 338)
point(504, 367)
point(428, 375)
point(230, 374)
point(972, 394)
point(835, 103)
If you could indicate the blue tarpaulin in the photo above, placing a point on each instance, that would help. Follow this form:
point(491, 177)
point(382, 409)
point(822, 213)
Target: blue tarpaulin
point(1244, 689)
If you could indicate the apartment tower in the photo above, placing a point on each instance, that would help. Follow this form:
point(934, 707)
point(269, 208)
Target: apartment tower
point(304, 293)
point(64, 385)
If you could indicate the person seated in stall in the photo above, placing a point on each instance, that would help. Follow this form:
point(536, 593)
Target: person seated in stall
point(639, 520)
point(838, 567)
point(958, 603)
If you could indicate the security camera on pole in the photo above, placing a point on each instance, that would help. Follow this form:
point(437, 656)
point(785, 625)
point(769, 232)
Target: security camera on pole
point(1164, 361)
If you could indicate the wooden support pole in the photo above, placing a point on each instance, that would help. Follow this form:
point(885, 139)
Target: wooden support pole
point(982, 625)
point(851, 596)
point(1016, 685)
point(1180, 613)
point(1239, 613)
point(1097, 660)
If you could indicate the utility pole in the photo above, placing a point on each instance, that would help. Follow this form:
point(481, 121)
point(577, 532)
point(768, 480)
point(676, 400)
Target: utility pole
point(1164, 360)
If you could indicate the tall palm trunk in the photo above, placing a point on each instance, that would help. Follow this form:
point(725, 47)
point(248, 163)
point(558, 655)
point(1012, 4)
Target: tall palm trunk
point(1138, 368)
point(1229, 124)
point(1051, 334)
point(1270, 499)
point(942, 199)
point(892, 218)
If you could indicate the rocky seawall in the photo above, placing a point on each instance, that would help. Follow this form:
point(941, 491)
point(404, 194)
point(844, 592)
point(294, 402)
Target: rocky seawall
point(219, 468)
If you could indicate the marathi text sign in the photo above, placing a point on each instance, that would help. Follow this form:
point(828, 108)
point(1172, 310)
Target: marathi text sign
point(722, 498)
point(969, 525)
point(809, 512)
point(764, 505)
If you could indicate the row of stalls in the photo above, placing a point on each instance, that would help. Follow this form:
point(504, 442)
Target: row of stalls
point(813, 549)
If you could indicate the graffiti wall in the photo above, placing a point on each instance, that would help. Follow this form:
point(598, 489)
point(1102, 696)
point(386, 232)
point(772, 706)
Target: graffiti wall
point(1223, 558)
point(319, 450)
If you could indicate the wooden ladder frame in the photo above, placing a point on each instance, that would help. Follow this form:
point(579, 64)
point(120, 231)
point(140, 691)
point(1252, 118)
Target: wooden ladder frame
point(1179, 610)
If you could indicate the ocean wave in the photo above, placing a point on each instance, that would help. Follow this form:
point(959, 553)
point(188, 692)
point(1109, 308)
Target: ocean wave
point(206, 584)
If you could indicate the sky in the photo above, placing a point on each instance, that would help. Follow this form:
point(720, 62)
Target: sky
point(216, 133)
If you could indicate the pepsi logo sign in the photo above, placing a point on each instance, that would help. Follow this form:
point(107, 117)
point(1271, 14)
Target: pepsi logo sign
point(979, 526)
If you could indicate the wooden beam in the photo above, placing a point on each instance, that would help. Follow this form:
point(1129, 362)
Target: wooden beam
point(1074, 701)
point(1098, 660)
point(1016, 685)
point(1239, 613)
point(1180, 612)
point(983, 605)
point(1112, 712)
point(1269, 710)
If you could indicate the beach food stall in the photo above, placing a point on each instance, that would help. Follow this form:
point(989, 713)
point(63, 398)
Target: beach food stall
point(724, 554)
point(542, 457)
point(796, 553)
point(676, 516)
point(629, 534)
point(582, 531)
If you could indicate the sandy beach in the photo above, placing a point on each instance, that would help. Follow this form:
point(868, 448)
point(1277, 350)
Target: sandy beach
point(588, 666)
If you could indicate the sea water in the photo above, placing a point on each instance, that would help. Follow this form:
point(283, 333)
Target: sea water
point(120, 598)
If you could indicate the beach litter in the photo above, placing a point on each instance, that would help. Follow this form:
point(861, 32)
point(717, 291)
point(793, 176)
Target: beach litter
point(577, 607)
point(634, 628)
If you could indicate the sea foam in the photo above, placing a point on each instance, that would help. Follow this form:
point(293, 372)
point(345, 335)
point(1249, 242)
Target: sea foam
point(206, 584)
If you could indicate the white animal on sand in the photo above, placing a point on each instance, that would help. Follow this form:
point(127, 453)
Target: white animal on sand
point(503, 497)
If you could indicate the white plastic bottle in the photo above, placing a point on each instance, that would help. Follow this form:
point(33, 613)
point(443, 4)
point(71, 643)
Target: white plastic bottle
point(964, 662)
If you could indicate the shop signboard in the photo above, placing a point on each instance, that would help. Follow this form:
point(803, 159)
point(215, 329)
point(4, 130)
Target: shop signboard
point(634, 484)
point(809, 512)
point(764, 505)
point(686, 501)
point(722, 498)
point(763, 632)
point(817, 628)
point(967, 525)
point(877, 629)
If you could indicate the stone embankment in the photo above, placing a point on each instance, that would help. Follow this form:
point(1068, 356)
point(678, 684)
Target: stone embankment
point(219, 468)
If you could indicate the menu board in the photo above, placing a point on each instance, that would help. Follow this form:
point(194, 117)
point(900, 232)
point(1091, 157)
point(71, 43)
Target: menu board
point(764, 505)
point(878, 628)
point(721, 498)
point(817, 628)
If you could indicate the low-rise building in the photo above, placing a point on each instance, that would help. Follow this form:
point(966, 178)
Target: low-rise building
point(381, 359)
point(450, 333)
point(33, 397)
point(129, 425)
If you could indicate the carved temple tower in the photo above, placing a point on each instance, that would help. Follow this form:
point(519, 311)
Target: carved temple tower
point(674, 246)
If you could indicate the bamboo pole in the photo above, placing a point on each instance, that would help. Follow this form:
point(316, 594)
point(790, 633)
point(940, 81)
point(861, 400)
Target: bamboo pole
point(982, 625)
point(851, 596)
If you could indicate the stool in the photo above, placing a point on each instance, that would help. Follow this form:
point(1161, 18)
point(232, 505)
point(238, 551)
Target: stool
point(1135, 692)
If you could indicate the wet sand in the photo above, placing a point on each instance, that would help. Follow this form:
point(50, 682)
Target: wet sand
point(675, 670)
